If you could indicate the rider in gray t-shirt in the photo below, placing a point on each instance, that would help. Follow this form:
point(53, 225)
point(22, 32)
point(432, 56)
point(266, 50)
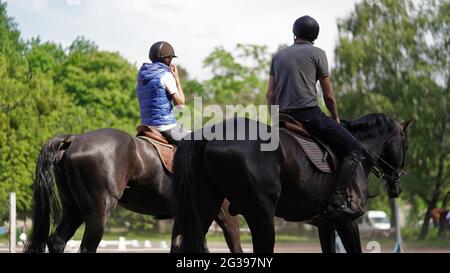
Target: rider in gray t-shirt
point(296, 88)
point(294, 73)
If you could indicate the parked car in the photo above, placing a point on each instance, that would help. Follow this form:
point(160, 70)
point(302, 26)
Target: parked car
point(375, 222)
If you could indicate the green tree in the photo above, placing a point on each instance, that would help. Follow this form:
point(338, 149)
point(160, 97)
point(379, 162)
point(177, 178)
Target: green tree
point(393, 57)
point(46, 91)
point(33, 108)
point(238, 76)
point(13, 97)
point(103, 83)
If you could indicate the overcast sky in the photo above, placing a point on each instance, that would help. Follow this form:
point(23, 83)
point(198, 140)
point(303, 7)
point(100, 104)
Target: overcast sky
point(193, 27)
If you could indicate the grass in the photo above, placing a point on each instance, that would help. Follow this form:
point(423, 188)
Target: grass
point(217, 237)
point(443, 243)
point(433, 242)
point(4, 238)
point(211, 236)
point(280, 238)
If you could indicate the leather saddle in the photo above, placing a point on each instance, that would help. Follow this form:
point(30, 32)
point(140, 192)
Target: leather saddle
point(318, 153)
point(165, 150)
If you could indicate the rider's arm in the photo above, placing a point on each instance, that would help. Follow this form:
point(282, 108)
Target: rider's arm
point(177, 97)
point(270, 96)
point(328, 97)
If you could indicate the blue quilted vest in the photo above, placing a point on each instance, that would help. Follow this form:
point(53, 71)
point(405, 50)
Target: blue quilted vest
point(154, 101)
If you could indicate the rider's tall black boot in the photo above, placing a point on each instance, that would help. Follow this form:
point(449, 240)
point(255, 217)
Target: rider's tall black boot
point(338, 201)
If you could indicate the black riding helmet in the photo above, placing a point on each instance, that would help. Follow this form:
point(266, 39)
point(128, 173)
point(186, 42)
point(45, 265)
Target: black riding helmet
point(306, 28)
point(161, 50)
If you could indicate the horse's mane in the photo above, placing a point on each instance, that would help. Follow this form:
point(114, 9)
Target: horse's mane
point(371, 125)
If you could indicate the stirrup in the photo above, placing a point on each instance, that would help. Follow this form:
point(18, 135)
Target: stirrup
point(343, 210)
point(339, 203)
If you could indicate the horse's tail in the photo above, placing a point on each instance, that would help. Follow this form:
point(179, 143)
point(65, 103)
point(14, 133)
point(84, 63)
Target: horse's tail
point(188, 164)
point(46, 204)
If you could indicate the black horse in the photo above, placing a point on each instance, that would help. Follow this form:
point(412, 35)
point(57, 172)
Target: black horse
point(283, 182)
point(94, 171)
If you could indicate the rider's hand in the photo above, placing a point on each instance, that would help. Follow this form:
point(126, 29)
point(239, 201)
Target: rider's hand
point(337, 120)
point(174, 71)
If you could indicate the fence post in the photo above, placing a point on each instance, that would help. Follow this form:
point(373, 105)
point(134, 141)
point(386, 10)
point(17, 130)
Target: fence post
point(12, 223)
point(122, 246)
point(398, 248)
point(338, 244)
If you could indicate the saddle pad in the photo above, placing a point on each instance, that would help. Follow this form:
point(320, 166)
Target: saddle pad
point(318, 156)
point(165, 152)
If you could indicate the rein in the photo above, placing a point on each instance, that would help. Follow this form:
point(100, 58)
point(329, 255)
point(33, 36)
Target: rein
point(379, 172)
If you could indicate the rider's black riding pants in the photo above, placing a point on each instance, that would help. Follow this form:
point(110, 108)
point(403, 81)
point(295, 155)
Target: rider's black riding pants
point(328, 131)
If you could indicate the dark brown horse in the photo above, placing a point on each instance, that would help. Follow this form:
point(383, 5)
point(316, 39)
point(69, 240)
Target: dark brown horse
point(263, 184)
point(95, 171)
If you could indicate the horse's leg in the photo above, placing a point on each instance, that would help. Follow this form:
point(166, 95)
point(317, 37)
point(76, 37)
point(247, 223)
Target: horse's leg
point(259, 210)
point(71, 216)
point(93, 233)
point(208, 210)
point(263, 231)
point(349, 232)
point(96, 223)
point(255, 195)
point(195, 240)
point(254, 191)
point(71, 219)
point(327, 237)
point(230, 227)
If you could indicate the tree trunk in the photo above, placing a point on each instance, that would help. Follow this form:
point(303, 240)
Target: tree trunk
point(445, 201)
point(426, 221)
point(438, 186)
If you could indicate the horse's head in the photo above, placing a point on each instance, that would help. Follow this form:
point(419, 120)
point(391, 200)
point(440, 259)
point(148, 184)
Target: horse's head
point(392, 159)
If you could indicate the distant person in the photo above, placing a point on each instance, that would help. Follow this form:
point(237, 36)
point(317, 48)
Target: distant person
point(158, 86)
point(294, 72)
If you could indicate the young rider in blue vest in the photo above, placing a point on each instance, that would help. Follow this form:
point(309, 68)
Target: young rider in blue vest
point(158, 86)
point(294, 73)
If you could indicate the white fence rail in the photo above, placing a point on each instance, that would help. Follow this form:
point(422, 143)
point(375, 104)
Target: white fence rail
point(12, 222)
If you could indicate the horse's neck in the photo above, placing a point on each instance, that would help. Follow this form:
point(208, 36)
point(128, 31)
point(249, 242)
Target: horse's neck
point(373, 131)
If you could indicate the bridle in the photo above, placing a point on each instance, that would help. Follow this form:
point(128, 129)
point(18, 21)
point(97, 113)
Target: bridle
point(396, 173)
point(394, 176)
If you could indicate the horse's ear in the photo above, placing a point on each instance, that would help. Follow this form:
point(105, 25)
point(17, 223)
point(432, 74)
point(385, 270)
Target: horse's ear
point(406, 124)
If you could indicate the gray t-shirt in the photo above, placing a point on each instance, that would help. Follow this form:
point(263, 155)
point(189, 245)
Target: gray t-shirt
point(297, 69)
